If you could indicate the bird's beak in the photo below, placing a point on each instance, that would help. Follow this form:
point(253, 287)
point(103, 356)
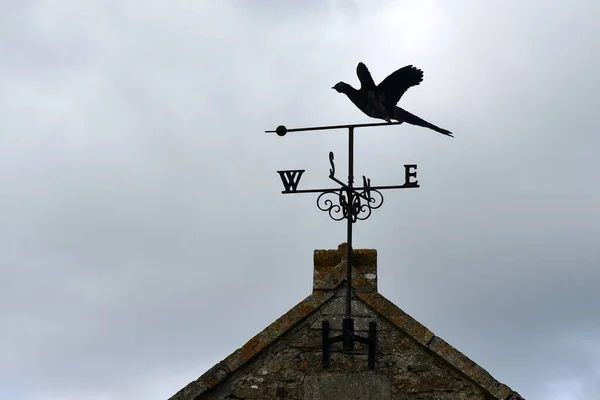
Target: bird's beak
point(333, 87)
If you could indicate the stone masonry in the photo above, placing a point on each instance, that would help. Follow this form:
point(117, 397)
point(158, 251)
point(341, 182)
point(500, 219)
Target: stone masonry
point(284, 360)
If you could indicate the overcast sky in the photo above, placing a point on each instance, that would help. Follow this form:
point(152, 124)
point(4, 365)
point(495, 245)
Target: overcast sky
point(143, 236)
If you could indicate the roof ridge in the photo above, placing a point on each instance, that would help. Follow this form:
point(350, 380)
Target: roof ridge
point(254, 346)
point(379, 304)
point(438, 346)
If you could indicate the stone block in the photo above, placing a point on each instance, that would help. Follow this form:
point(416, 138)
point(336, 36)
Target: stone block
point(363, 386)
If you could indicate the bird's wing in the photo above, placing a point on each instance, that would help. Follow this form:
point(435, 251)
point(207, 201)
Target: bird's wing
point(398, 82)
point(366, 82)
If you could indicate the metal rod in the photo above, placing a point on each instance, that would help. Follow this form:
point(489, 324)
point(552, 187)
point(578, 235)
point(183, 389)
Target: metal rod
point(348, 335)
point(410, 186)
point(350, 217)
point(323, 128)
point(325, 362)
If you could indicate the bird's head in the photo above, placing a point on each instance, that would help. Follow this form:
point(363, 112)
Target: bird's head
point(340, 87)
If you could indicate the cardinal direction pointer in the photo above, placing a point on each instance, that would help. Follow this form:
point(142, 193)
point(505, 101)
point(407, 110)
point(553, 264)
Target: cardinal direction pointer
point(290, 179)
point(410, 171)
point(332, 169)
point(367, 187)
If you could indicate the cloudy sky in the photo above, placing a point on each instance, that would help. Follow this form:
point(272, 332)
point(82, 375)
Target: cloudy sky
point(142, 234)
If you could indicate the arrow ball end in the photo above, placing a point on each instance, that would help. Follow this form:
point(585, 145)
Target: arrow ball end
point(281, 130)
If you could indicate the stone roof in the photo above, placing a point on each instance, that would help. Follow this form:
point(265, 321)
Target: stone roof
point(329, 274)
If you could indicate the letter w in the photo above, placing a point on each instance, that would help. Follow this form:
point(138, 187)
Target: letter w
point(290, 179)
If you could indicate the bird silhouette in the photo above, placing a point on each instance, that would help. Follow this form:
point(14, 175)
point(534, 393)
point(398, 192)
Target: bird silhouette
point(379, 101)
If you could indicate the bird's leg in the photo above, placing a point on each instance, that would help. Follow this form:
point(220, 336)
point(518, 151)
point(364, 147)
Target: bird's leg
point(388, 116)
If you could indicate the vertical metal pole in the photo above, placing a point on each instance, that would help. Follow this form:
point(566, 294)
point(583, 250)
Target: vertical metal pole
point(350, 218)
point(348, 323)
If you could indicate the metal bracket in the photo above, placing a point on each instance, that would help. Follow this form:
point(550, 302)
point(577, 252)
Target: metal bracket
point(348, 337)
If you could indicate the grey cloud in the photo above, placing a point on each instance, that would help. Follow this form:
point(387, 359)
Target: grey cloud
point(142, 234)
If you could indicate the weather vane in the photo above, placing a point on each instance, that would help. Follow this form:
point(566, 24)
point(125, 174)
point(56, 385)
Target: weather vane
point(351, 202)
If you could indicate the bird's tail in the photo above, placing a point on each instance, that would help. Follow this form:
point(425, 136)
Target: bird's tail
point(404, 116)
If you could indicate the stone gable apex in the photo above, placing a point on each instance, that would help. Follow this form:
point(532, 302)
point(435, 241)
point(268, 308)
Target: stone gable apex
point(328, 284)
